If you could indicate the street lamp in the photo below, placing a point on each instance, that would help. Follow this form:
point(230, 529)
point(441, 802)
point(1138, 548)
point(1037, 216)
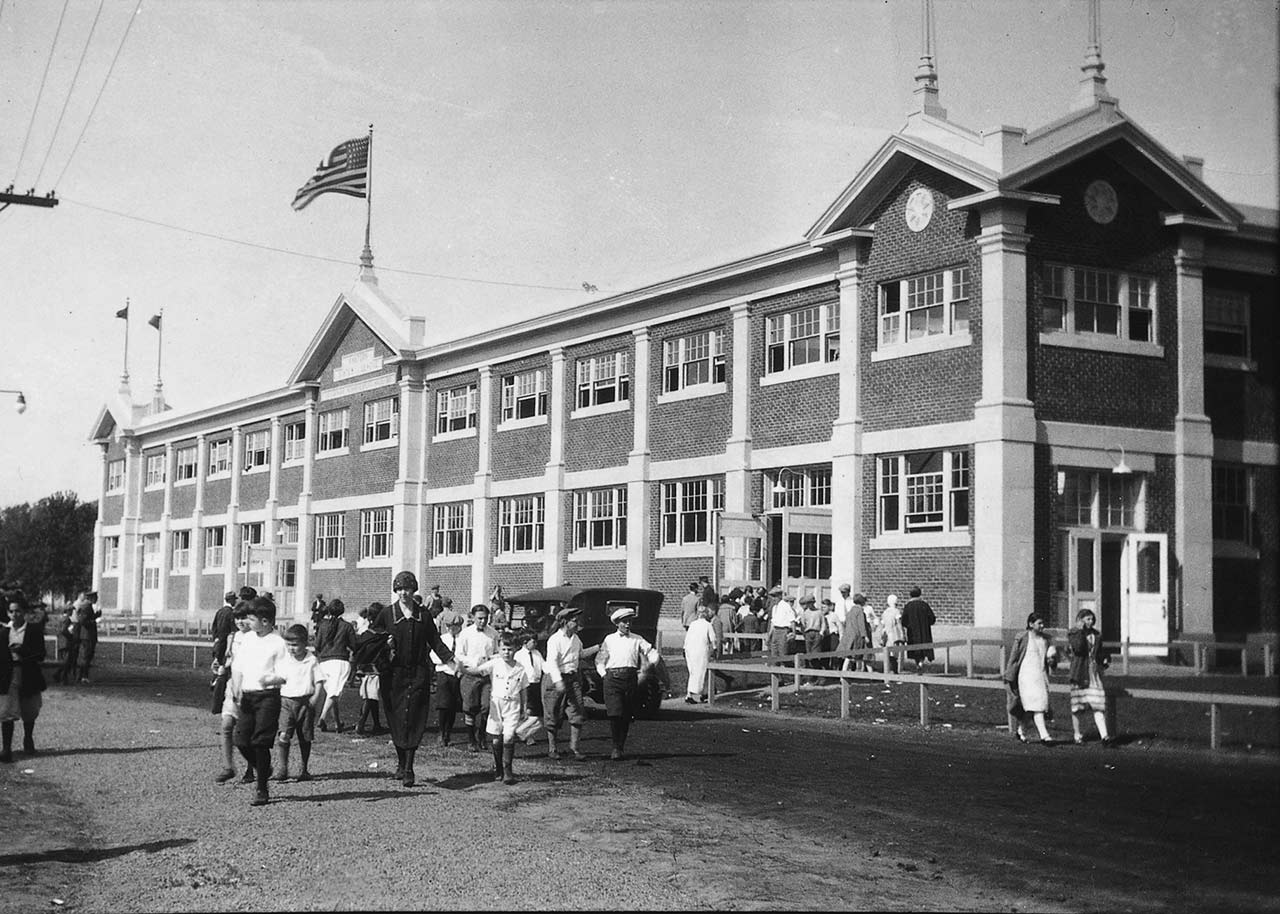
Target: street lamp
point(20, 404)
point(778, 487)
point(1121, 468)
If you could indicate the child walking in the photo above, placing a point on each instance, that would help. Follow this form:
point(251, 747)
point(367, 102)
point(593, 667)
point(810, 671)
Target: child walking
point(255, 688)
point(300, 697)
point(448, 697)
point(508, 681)
point(370, 646)
point(225, 706)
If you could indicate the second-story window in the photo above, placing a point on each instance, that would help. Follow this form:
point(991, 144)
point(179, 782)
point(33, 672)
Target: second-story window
point(295, 440)
point(257, 449)
point(686, 510)
point(333, 430)
point(219, 458)
point(382, 420)
point(184, 463)
point(935, 304)
point(155, 470)
point(524, 395)
point(521, 524)
point(330, 542)
point(452, 532)
point(600, 518)
point(375, 533)
point(923, 492)
point(804, 337)
point(115, 476)
point(692, 360)
point(457, 409)
point(604, 379)
point(1226, 323)
point(1103, 303)
point(180, 554)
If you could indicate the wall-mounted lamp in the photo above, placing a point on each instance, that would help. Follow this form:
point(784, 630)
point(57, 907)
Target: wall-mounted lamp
point(1121, 468)
point(1062, 481)
point(20, 404)
point(778, 487)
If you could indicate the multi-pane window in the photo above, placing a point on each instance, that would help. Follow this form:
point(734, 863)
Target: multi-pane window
point(287, 533)
point(215, 546)
point(251, 536)
point(687, 507)
point(257, 449)
point(935, 304)
point(375, 533)
point(115, 476)
point(1226, 323)
point(220, 457)
point(111, 553)
point(692, 360)
point(604, 379)
point(457, 408)
point(600, 518)
point(184, 463)
point(1088, 498)
point(809, 555)
point(295, 440)
point(1232, 497)
point(801, 488)
point(1106, 303)
point(382, 420)
point(155, 469)
point(333, 430)
point(524, 395)
point(923, 492)
point(452, 532)
point(180, 551)
point(331, 537)
point(805, 337)
point(521, 524)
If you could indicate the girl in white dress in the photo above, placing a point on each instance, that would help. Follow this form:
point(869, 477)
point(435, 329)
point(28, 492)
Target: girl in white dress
point(699, 644)
point(1027, 677)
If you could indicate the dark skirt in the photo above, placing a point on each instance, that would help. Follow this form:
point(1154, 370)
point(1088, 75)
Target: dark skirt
point(448, 692)
point(406, 699)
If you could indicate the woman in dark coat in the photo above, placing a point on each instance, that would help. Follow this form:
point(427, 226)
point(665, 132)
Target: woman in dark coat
point(21, 679)
point(406, 679)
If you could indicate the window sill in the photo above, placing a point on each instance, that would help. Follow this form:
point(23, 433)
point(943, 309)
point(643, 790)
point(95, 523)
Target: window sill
point(111, 492)
point(597, 555)
point(253, 471)
point(213, 569)
point(380, 445)
point(601, 409)
point(684, 551)
point(329, 565)
point(1100, 343)
point(216, 476)
point(694, 392)
point(374, 563)
point(455, 435)
point(938, 343)
point(179, 571)
point(1228, 549)
point(111, 573)
point(802, 373)
point(942, 540)
point(513, 424)
point(340, 452)
point(450, 561)
point(154, 487)
point(1229, 362)
point(519, 558)
point(296, 462)
point(183, 483)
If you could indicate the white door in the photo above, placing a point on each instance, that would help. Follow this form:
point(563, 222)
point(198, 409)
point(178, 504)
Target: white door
point(806, 551)
point(152, 599)
point(740, 538)
point(1145, 588)
point(1084, 574)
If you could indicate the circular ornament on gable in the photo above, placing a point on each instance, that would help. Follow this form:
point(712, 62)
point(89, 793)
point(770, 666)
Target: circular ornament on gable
point(1100, 202)
point(919, 209)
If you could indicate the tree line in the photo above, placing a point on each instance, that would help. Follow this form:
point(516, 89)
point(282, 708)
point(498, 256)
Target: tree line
point(46, 548)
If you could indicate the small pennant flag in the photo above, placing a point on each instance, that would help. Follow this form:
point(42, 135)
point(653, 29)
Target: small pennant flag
point(123, 313)
point(155, 321)
point(345, 172)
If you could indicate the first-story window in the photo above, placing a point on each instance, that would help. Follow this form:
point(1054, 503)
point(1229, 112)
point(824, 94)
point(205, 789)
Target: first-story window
point(521, 524)
point(1089, 498)
point(1226, 323)
point(804, 488)
point(257, 449)
point(330, 536)
point(184, 463)
point(1102, 302)
point(251, 536)
point(115, 476)
point(1232, 500)
point(524, 395)
point(457, 409)
point(687, 507)
point(935, 304)
point(111, 553)
point(180, 553)
point(802, 337)
point(923, 492)
point(295, 440)
point(220, 457)
point(333, 430)
point(693, 360)
point(604, 379)
point(600, 518)
point(215, 546)
point(382, 420)
point(375, 533)
point(452, 532)
point(155, 470)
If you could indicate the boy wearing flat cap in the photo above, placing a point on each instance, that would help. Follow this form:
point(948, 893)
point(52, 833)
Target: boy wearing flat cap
point(562, 684)
point(623, 658)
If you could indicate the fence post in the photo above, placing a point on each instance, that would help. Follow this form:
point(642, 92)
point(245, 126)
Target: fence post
point(194, 661)
point(844, 698)
point(711, 685)
point(157, 655)
point(1125, 656)
point(1215, 727)
point(773, 692)
point(924, 705)
point(1195, 653)
point(795, 660)
point(1267, 668)
point(885, 659)
point(969, 670)
point(1244, 660)
point(1004, 657)
point(121, 652)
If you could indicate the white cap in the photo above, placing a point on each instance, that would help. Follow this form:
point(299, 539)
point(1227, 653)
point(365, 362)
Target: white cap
point(619, 614)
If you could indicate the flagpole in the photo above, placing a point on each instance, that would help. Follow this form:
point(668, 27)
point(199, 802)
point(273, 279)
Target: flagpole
point(366, 256)
point(124, 377)
point(159, 347)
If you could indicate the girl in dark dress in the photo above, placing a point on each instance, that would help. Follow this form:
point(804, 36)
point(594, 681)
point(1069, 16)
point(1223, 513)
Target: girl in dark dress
point(21, 679)
point(406, 679)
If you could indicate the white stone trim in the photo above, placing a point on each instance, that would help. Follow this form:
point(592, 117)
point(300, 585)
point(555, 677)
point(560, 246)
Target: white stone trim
point(938, 343)
point(1100, 343)
point(1250, 453)
point(456, 435)
point(614, 554)
point(933, 540)
point(801, 373)
point(528, 422)
point(520, 558)
point(380, 445)
point(601, 409)
point(684, 551)
point(694, 392)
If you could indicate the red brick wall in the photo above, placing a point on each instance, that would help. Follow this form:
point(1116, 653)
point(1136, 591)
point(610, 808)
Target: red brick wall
point(689, 428)
point(794, 412)
point(520, 452)
point(217, 495)
point(670, 576)
point(455, 583)
point(110, 507)
point(596, 574)
point(593, 442)
point(289, 485)
point(184, 500)
point(1243, 404)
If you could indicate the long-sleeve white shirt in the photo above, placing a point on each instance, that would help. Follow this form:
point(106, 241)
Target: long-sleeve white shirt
point(534, 665)
point(564, 653)
point(475, 646)
point(620, 652)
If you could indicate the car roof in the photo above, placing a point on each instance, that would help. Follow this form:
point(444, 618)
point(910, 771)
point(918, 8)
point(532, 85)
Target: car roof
point(566, 593)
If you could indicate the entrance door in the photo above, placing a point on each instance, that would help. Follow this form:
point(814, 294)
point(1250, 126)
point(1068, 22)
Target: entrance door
point(152, 599)
point(1145, 583)
point(806, 551)
point(285, 580)
point(1084, 590)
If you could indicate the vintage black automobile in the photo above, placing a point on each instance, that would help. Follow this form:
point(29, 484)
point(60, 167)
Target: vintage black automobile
point(537, 609)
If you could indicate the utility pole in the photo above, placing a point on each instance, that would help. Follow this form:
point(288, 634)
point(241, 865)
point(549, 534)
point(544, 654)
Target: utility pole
point(8, 198)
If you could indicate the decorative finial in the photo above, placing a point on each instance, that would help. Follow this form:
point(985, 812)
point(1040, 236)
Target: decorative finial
point(926, 72)
point(1093, 88)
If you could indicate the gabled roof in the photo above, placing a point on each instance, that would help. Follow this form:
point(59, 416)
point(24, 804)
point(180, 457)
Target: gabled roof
point(117, 413)
point(395, 327)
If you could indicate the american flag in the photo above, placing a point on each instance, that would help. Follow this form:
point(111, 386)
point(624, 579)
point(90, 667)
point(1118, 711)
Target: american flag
point(345, 172)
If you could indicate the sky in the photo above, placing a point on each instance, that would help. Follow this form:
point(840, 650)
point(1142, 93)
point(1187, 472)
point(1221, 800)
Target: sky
point(520, 150)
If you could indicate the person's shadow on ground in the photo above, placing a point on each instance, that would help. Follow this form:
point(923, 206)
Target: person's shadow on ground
point(90, 854)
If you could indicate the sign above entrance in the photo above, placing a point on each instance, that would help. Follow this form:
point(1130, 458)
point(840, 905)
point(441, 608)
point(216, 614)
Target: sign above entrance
point(357, 363)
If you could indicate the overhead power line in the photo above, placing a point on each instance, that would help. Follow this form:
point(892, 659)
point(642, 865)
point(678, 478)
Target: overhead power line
point(39, 94)
point(71, 89)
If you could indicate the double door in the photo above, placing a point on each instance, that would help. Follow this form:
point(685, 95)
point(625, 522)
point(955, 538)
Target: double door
point(1123, 578)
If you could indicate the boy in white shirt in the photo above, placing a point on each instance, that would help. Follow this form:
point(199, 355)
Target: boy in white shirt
point(300, 695)
point(476, 644)
point(508, 681)
point(255, 689)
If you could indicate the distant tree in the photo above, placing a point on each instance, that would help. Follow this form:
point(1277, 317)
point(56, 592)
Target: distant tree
point(48, 547)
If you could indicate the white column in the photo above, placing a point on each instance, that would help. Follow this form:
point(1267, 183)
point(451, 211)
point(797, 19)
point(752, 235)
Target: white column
point(639, 551)
point(1193, 458)
point(270, 534)
point(846, 432)
point(130, 556)
point(166, 536)
point(306, 542)
point(481, 559)
point(407, 546)
point(98, 526)
point(234, 544)
point(554, 531)
point(1004, 429)
point(737, 479)
point(197, 533)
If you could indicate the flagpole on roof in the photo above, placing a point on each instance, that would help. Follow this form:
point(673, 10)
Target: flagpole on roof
point(157, 321)
point(124, 375)
point(366, 256)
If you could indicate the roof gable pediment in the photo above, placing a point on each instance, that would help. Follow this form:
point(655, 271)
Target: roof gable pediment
point(389, 324)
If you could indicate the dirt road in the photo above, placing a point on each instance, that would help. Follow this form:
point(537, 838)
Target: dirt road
point(714, 809)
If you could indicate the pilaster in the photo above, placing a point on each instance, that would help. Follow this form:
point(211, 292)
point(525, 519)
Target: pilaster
point(737, 478)
point(639, 553)
point(98, 545)
point(554, 530)
point(407, 544)
point(306, 544)
point(846, 431)
point(481, 555)
point(197, 531)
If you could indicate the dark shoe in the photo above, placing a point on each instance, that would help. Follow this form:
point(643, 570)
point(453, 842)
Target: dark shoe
point(302, 776)
point(690, 700)
point(1048, 742)
point(553, 753)
point(1110, 742)
point(29, 746)
point(260, 799)
point(508, 778)
point(6, 756)
point(225, 775)
point(324, 727)
point(279, 777)
point(399, 774)
point(578, 756)
point(247, 777)
point(409, 779)
point(497, 775)
point(615, 755)
point(1078, 740)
